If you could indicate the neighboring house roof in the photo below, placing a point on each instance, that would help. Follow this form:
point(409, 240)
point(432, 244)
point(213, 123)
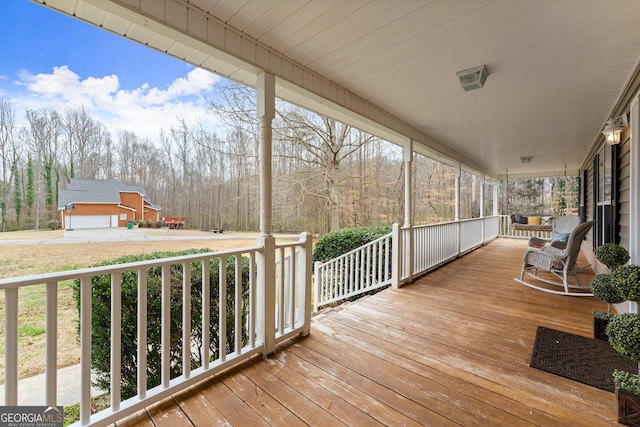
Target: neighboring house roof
point(95, 191)
point(150, 205)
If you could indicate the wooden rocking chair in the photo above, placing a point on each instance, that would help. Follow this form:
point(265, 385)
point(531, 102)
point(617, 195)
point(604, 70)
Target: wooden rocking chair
point(561, 263)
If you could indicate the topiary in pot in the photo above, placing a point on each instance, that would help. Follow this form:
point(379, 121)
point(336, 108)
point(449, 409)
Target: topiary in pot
point(612, 255)
point(603, 289)
point(624, 335)
point(626, 280)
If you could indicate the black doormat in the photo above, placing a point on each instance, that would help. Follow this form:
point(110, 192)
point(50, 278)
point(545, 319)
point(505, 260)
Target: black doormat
point(578, 358)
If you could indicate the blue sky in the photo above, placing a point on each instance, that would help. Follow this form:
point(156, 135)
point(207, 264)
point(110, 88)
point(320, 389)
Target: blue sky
point(50, 60)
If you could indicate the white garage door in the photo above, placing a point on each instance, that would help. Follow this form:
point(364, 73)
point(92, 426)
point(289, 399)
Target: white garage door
point(88, 221)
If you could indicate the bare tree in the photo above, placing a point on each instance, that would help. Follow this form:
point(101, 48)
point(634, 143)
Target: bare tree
point(88, 145)
point(44, 135)
point(8, 156)
point(327, 144)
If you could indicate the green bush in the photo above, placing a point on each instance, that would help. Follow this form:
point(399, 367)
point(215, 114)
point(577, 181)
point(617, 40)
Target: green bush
point(603, 289)
point(626, 381)
point(150, 223)
point(624, 335)
point(602, 316)
point(339, 242)
point(159, 224)
point(626, 279)
point(612, 255)
point(623, 330)
point(101, 318)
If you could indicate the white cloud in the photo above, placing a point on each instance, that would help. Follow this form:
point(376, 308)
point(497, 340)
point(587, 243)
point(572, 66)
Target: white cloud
point(143, 110)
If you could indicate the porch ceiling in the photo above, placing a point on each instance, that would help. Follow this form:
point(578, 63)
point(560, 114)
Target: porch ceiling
point(556, 68)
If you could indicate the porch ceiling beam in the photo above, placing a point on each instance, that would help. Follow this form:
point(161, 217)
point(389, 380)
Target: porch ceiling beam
point(570, 172)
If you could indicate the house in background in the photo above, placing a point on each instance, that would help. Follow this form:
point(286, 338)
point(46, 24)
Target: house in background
point(103, 203)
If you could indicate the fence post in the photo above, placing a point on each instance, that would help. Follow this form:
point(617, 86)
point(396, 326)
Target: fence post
point(484, 231)
point(409, 259)
point(11, 346)
point(396, 251)
point(306, 275)
point(459, 232)
point(317, 285)
point(266, 298)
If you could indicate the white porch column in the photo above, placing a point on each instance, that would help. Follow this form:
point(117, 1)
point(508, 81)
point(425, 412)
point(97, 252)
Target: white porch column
point(266, 114)
point(266, 259)
point(408, 180)
point(407, 243)
point(634, 185)
point(495, 198)
point(482, 184)
point(457, 195)
point(634, 189)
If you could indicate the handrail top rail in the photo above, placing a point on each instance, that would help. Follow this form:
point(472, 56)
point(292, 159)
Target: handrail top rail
point(435, 224)
point(353, 251)
point(17, 282)
point(303, 238)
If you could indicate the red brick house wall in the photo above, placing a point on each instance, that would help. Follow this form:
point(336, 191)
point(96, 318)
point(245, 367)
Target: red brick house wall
point(99, 209)
point(151, 214)
point(135, 201)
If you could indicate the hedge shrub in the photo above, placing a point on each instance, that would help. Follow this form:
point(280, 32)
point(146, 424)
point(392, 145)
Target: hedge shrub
point(339, 242)
point(101, 318)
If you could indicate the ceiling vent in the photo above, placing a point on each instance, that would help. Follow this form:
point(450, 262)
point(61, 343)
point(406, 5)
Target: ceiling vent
point(472, 78)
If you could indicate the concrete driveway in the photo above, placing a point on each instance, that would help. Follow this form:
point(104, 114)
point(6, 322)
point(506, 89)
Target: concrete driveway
point(122, 234)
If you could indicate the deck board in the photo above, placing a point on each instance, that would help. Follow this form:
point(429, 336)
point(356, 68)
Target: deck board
point(450, 349)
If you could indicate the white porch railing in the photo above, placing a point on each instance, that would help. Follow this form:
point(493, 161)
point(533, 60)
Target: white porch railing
point(361, 270)
point(390, 260)
point(290, 309)
point(414, 251)
point(505, 230)
point(436, 244)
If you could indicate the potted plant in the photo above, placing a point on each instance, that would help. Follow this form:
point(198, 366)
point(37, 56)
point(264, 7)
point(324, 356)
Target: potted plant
point(624, 335)
point(603, 289)
point(612, 256)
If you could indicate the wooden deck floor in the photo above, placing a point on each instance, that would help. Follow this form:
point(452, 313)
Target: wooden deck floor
point(450, 349)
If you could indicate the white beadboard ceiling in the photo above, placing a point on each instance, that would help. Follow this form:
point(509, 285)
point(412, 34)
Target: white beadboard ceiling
point(556, 67)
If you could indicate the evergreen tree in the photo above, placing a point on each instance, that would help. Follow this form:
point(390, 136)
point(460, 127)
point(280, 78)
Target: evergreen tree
point(31, 184)
point(17, 194)
point(3, 207)
point(57, 187)
point(48, 182)
point(562, 201)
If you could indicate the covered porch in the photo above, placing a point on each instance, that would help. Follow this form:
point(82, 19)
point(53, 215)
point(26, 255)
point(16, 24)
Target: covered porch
point(450, 349)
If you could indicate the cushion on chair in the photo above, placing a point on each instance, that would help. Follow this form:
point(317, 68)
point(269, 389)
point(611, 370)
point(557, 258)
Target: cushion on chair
point(519, 219)
point(560, 237)
point(534, 220)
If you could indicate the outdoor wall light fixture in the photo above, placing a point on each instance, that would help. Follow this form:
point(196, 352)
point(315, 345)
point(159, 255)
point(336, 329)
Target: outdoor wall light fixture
point(614, 128)
point(472, 78)
point(526, 159)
